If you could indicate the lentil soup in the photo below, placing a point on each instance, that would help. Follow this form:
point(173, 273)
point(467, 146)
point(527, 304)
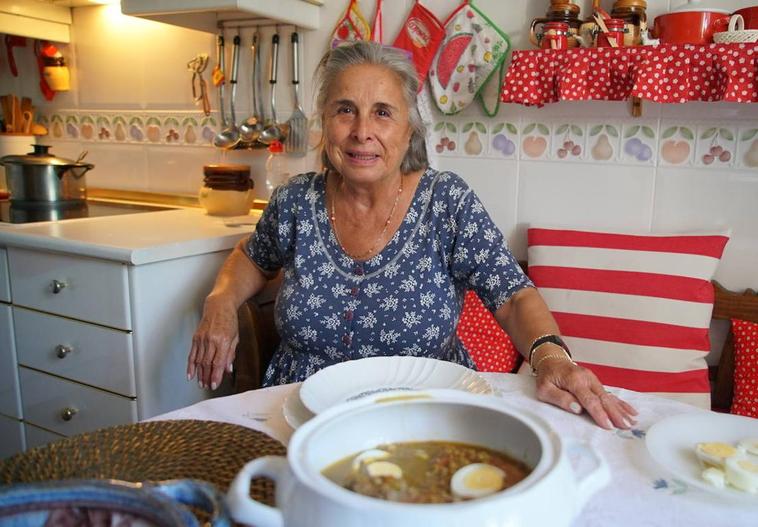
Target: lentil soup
point(427, 472)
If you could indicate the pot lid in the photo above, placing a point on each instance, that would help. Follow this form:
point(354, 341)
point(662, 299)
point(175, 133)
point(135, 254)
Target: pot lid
point(698, 5)
point(41, 156)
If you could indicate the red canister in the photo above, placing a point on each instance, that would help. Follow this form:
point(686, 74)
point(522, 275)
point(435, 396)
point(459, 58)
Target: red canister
point(554, 35)
point(614, 38)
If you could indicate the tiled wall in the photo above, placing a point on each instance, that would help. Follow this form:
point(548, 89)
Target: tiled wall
point(587, 164)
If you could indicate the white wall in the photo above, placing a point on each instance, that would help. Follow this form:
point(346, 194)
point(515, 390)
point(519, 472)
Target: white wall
point(125, 67)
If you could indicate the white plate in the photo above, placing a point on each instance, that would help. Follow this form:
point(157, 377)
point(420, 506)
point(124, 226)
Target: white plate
point(354, 379)
point(295, 412)
point(671, 443)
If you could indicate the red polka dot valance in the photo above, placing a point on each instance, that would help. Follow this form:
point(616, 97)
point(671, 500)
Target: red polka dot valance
point(669, 73)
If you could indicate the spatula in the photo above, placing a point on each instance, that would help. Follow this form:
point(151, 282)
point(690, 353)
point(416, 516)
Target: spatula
point(298, 123)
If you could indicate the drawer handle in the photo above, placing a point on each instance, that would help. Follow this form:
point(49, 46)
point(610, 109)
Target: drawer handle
point(61, 351)
point(68, 413)
point(57, 286)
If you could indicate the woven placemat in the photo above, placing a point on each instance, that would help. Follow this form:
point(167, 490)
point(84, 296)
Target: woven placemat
point(152, 451)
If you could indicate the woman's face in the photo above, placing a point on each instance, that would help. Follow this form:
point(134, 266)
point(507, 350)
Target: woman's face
point(366, 125)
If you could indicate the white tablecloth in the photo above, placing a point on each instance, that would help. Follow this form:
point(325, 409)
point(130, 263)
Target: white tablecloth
point(640, 493)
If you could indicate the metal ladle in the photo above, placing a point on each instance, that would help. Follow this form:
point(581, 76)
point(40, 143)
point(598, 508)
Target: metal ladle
point(251, 128)
point(272, 132)
point(230, 137)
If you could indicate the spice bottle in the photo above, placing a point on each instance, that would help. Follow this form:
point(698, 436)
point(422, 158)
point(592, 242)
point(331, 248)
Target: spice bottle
point(559, 11)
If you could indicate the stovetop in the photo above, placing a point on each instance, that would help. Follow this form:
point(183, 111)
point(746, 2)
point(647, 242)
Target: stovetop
point(14, 212)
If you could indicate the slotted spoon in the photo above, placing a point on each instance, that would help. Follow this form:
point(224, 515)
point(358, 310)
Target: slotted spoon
point(298, 123)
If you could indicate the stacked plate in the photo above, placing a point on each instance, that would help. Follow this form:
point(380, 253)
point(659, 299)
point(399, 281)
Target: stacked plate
point(351, 380)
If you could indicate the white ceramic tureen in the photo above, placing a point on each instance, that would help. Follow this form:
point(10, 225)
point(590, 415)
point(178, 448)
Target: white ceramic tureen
point(565, 473)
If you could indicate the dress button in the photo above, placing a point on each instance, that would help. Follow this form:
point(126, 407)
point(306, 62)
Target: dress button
point(349, 315)
point(346, 339)
point(358, 270)
point(354, 291)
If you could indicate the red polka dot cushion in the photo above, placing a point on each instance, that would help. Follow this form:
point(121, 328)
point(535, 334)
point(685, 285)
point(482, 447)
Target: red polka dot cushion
point(745, 400)
point(634, 308)
point(489, 346)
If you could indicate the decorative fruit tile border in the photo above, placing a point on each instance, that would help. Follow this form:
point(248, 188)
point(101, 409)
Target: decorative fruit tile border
point(504, 138)
point(132, 127)
point(715, 146)
point(445, 138)
point(676, 146)
point(747, 147)
point(568, 142)
point(638, 143)
point(535, 141)
point(603, 142)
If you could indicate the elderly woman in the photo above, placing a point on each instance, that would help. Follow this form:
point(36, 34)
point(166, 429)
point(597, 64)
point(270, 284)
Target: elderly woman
point(379, 249)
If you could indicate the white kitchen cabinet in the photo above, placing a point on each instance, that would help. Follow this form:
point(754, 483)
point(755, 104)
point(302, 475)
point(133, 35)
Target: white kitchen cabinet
point(36, 436)
point(11, 436)
point(205, 15)
point(5, 289)
point(110, 346)
point(10, 398)
point(35, 19)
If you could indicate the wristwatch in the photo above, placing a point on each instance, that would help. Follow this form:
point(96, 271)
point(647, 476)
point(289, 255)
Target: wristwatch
point(545, 339)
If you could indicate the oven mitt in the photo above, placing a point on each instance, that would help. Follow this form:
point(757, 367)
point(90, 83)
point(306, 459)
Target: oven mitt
point(421, 36)
point(472, 50)
point(351, 27)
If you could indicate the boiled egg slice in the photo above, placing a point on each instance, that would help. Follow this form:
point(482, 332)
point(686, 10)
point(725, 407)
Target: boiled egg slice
point(368, 456)
point(714, 454)
point(714, 476)
point(384, 469)
point(742, 472)
point(477, 480)
point(749, 445)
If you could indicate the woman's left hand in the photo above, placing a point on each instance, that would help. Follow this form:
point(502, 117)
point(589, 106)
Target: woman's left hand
point(573, 388)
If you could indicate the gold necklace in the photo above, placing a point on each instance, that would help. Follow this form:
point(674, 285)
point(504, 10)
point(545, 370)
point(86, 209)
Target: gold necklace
point(363, 255)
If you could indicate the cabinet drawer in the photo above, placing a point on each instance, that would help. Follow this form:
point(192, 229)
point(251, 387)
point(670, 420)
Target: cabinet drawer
point(82, 288)
point(45, 400)
point(10, 398)
point(76, 350)
point(12, 434)
point(38, 437)
point(5, 291)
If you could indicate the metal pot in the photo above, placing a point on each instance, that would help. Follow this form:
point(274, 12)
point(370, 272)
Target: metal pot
point(42, 177)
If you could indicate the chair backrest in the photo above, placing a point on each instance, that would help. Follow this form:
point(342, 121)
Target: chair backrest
point(258, 337)
point(728, 305)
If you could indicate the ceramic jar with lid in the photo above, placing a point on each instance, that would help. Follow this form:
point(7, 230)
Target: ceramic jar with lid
point(227, 190)
point(634, 15)
point(559, 11)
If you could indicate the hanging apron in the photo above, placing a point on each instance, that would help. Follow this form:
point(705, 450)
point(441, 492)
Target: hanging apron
point(472, 51)
point(420, 35)
point(351, 27)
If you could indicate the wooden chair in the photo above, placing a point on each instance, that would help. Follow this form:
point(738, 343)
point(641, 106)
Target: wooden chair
point(258, 338)
point(729, 305)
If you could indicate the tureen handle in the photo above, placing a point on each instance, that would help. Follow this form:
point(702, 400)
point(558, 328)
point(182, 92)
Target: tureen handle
point(251, 512)
point(590, 469)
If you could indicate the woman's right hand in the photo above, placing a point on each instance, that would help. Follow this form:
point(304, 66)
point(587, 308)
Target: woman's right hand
point(214, 342)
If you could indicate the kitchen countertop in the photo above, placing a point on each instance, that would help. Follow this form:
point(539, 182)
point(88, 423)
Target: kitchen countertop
point(134, 239)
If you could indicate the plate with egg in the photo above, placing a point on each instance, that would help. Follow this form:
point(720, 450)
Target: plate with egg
point(714, 452)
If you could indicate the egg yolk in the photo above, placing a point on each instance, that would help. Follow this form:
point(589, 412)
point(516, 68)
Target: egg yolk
point(483, 478)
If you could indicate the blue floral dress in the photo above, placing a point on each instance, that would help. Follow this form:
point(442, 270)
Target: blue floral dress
point(403, 301)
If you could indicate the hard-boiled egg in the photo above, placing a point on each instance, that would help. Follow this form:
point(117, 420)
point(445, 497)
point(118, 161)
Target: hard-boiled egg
point(714, 476)
point(749, 445)
point(385, 469)
point(742, 472)
point(714, 453)
point(368, 456)
point(477, 480)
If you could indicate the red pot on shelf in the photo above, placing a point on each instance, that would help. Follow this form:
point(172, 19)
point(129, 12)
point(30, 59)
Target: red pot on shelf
point(750, 16)
point(690, 25)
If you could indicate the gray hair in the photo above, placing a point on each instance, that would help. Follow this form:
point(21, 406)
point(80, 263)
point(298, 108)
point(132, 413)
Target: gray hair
point(365, 52)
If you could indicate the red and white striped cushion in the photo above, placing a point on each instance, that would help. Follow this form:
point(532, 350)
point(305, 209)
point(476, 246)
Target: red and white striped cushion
point(633, 308)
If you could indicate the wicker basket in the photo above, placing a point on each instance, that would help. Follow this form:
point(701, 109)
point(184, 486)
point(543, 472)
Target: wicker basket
point(737, 32)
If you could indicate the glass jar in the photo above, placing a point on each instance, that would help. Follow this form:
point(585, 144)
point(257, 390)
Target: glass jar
point(614, 38)
point(634, 15)
point(227, 190)
point(559, 11)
